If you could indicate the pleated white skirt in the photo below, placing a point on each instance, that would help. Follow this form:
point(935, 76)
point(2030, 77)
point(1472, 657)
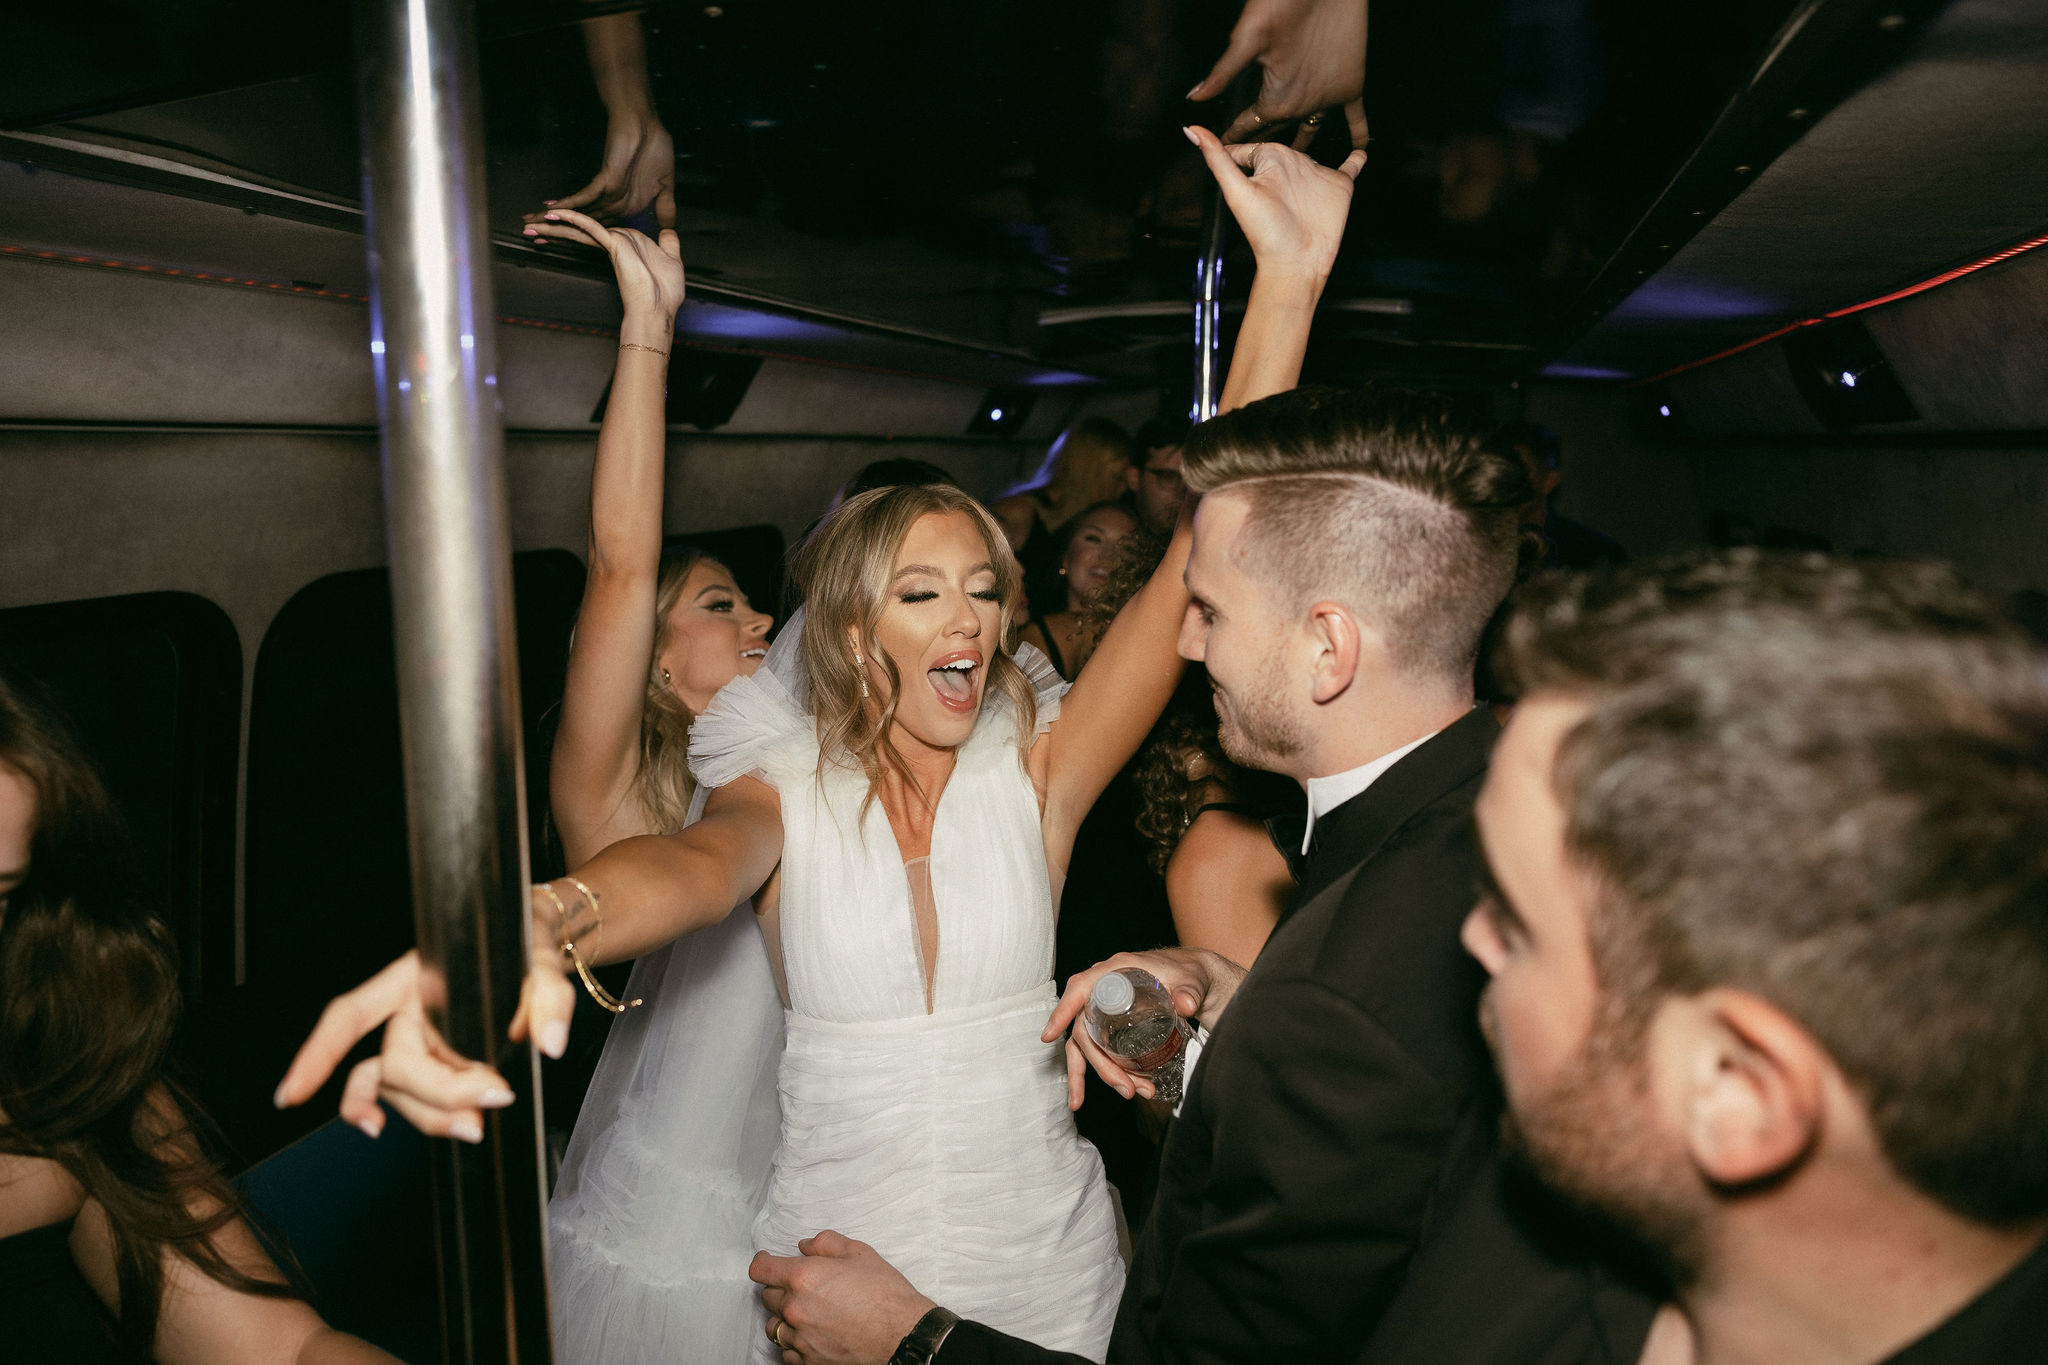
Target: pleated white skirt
point(944, 1142)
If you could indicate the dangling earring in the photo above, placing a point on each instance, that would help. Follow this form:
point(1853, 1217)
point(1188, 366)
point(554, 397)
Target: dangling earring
point(863, 675)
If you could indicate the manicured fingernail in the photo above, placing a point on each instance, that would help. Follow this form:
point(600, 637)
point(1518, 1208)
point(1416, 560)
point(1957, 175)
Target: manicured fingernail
point(551, 214)
point(1189, 134)
point(1191, 91)
point(531, 231)
point(371, 1128)
point(466, 1130)
point(277, 1096)
point(554, 1038)
point(547, 201)
point(497, 1097)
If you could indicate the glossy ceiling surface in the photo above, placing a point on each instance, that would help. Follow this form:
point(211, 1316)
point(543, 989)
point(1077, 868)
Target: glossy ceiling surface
point(1939, 161)
point(1006, 177)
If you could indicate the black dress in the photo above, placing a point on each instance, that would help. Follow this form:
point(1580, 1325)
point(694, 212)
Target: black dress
point(48, 1314)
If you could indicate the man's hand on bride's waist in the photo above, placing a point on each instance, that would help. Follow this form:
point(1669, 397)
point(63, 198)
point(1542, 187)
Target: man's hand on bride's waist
point(1202, 983)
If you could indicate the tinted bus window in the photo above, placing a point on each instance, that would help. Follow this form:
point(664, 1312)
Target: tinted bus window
point(152, 683)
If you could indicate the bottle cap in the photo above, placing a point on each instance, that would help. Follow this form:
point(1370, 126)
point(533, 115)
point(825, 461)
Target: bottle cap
point(1113, 994)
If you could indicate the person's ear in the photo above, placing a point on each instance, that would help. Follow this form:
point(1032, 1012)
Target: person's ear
point(1755, 1089)
point(1337, 638)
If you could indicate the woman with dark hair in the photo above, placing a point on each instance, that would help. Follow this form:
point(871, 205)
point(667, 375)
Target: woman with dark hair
point(1202, 819)
point(119, 1239)
point(1090, 463)
point(1093, 542)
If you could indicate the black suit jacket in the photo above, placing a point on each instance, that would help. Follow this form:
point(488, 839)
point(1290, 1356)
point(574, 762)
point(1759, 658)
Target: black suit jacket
point(1343, 1107)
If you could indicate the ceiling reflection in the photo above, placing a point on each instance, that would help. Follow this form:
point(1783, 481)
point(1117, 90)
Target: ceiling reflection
point(1002, 175)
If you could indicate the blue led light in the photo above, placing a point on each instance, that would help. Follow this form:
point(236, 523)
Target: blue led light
point(376, 348)
point(995, 414)
point(1663, 409)
point(1848, 379)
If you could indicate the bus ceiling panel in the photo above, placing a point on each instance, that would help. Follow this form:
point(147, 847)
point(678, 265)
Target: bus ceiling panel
point(1964, 359)
point(957, 174)
point(1937, 161)
point(216, 348)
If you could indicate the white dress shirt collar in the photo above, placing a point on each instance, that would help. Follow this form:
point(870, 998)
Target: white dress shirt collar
point(1325, 794)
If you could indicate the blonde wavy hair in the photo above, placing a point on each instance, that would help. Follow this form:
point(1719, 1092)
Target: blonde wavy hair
point(842, 574)
point(664, 784)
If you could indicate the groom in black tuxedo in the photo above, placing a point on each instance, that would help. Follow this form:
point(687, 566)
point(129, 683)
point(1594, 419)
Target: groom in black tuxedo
point(1329, 1191)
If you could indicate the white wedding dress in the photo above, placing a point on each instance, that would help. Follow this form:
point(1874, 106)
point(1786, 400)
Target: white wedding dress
point(940, 1137)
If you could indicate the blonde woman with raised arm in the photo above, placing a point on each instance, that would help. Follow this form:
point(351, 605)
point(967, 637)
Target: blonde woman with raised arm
point(654, 643)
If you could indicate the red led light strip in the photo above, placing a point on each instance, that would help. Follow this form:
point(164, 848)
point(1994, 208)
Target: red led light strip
point(1945, 277)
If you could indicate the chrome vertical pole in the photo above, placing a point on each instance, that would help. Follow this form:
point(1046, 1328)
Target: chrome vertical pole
point(451, 592)
point(1209, 307)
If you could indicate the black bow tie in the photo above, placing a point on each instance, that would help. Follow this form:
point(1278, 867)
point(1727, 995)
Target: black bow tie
point(1288, 832)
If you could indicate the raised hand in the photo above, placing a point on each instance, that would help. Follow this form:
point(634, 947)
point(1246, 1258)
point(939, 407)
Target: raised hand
point(1201, 983)
point(639, 170)
point(1290, 207)
point(1312, 53)
point(439, 1092)
point(650, 273)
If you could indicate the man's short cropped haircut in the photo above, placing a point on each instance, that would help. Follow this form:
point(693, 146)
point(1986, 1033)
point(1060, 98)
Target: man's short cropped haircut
point(1391, 501)
point(1824, 782)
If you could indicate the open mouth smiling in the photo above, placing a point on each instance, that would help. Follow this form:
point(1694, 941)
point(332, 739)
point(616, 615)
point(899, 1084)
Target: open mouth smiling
point(956, 680)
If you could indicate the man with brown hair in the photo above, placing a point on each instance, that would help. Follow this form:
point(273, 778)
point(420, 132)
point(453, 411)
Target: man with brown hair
point(1768, 933)
point(1337, 1125)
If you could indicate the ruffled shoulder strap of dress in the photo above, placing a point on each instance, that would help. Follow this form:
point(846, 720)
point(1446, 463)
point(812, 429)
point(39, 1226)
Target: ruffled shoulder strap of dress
point(1047, 686)
point(754, 725)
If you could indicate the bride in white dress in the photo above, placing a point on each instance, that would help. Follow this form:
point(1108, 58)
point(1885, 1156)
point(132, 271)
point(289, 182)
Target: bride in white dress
point(897, 797)
point(910, 914)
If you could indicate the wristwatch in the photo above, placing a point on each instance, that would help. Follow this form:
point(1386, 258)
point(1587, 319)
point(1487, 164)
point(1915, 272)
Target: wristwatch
point(923, 1342)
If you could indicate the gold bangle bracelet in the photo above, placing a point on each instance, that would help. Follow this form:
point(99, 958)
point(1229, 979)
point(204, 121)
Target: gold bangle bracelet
point(636, 346)
point(591, 984)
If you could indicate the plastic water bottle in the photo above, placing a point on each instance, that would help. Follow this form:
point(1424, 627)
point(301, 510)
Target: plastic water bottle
point(1130, 1015)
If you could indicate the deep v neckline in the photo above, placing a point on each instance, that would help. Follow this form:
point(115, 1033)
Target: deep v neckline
point(917, 878)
